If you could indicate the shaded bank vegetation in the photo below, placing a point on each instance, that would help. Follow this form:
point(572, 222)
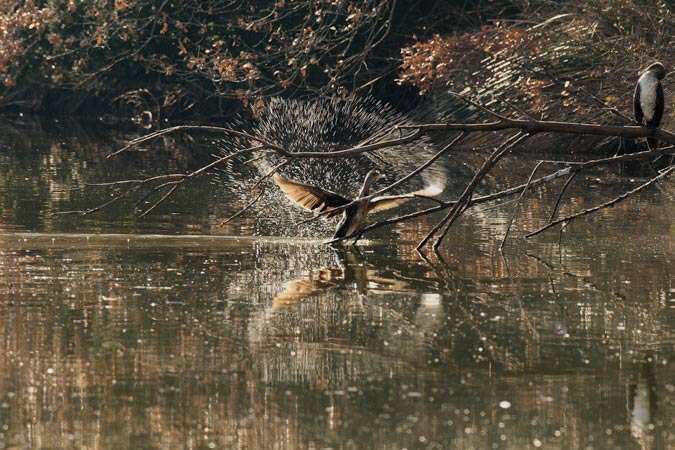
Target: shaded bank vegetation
point(188, 57)
point(184, 58)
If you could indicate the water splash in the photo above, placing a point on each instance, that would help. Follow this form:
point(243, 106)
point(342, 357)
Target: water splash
point(329, 125)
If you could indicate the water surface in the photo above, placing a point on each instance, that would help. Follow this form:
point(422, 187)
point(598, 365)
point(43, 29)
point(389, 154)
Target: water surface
point(176, 331)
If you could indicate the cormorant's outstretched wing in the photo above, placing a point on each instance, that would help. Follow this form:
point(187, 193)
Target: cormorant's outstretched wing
point(392, 201)
point(636, 104)
point(311, 197)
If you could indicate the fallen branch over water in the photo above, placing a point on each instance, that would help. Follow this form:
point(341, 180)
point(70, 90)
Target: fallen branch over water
point(524, 128)
point(571, 169)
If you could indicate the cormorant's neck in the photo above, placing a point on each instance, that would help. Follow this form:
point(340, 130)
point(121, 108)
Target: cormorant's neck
point(367, 183)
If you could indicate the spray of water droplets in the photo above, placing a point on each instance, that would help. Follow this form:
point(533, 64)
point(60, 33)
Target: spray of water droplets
point(327, 125)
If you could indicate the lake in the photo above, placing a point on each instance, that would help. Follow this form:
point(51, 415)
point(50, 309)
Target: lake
point(176, 330)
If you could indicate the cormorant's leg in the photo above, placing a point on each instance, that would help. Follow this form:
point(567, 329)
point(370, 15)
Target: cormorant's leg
point(356, 250)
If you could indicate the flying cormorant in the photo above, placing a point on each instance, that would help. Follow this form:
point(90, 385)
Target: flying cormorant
point(316, 199)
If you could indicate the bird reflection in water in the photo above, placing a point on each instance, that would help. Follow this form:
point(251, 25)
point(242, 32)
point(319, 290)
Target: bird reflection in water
point(353, 274)
point(641, 404)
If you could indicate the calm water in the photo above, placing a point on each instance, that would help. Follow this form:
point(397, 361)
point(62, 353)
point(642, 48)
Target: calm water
point(175, 331)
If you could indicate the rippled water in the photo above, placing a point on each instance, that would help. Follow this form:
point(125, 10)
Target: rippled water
point(175, 331)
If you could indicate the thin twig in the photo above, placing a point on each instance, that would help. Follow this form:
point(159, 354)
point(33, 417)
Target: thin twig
point(175, 179)
point(103, 205)
point(138, 181)
point(203, 128)
point(245, 208)
point(260, 194)
point(562, 191)
point(358, 149)
point(271, 172)
point(612, 110)
point(479, 106)
point(152, 191)
point(515, 207)
point(608, 204)
point(257, 158)
point(515, 108)
point(422, 167)
point(219, 161)
point(161, 200)
point(428, 197)
point(197, 173)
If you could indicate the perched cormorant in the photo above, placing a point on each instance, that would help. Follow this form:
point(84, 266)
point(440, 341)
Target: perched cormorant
point(648, 100)
point(316, 199)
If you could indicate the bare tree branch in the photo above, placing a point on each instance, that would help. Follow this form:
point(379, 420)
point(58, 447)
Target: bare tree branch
point(465, 199)
point(523, 128)
point(112, 201)
point(529, 126)
point(573, 168)
point(358, 149)
point(614, 201)
point(201, 128)
point(245, 208)
point(545, 126)
point(175, 179)
point(515, 207)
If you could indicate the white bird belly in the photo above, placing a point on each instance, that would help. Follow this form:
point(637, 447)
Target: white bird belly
point(648, 84)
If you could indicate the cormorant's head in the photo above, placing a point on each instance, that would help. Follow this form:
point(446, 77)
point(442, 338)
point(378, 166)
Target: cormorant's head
point(658, 69)
point(371, 178)
point(374, 175)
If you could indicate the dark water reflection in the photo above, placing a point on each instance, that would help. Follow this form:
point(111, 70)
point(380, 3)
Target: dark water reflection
point(166, 332)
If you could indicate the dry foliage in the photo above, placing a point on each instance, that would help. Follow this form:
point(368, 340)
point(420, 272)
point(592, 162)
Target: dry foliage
point(549, 57)
point(186, 50)
point(457, 56)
